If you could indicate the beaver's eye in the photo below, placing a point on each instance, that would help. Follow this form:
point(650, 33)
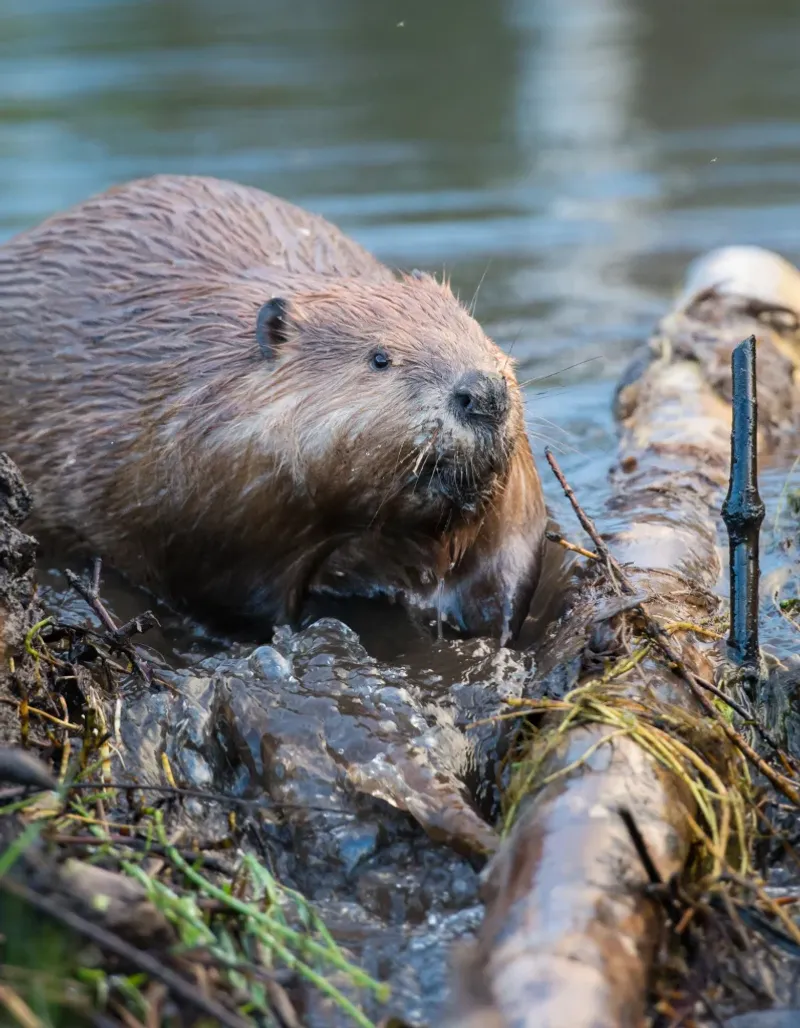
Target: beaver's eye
point(380, 360)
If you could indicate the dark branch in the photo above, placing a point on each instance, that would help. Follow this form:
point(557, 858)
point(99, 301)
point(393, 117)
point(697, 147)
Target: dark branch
point(743, 510)
point(118, 638)
point(615, 573)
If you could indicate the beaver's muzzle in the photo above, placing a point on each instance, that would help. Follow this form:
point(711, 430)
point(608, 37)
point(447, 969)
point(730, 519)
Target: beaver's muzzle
point(481, 397)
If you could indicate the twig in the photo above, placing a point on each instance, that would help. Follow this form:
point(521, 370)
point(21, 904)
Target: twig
point(747, 717)
point(19, 1009)
point(671, 905)
point(43, 714)
point(97, 567)
point(615, 572)
point(119, 638)
point(640, 846)
point(111, 943)
point(199, 794)
point(135, 842)
point(781, 783)
point(712, 1011)
point(554, 537)
point(743, 510)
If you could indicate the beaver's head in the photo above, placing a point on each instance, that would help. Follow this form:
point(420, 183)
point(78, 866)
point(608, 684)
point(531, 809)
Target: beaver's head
point(391, 394)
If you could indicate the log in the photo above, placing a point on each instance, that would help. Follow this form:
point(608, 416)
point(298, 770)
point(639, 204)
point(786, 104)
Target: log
point(570, 930)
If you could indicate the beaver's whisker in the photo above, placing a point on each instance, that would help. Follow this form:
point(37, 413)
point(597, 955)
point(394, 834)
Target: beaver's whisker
point(511, 350)
point(422, 455)
point(393, 488)
point(423, 452)
point(569, 367)
point(478, 289)
point(433, 473)
point(398, 462)
point(532, 434)
point(550, 424)
point(417, 471)
point(562, 445)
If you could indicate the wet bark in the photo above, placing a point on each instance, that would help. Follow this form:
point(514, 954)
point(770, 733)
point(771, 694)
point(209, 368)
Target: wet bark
point(569, 933)
point(743, 510)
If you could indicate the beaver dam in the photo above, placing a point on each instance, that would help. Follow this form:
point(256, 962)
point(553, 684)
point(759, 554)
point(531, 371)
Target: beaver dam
point(596, 829)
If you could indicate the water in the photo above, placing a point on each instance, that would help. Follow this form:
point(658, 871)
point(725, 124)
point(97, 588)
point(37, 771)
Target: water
point(565, 159)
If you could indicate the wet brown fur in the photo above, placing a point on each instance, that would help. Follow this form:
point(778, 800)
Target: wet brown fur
point(152, 429)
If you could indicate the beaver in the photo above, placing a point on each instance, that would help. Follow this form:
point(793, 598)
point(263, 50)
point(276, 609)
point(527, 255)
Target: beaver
point(237, 406)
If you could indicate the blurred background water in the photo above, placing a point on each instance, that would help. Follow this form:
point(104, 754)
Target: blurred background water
point(569, 157)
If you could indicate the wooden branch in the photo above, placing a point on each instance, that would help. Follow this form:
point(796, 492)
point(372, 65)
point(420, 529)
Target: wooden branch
point(743, 510)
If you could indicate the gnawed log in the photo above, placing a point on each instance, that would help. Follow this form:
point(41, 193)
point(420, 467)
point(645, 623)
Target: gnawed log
point(570, 929)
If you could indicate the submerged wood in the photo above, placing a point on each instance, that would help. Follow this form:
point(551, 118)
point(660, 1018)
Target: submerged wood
point(569, 932)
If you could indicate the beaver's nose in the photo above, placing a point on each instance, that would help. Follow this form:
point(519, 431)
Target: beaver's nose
point(481, 394)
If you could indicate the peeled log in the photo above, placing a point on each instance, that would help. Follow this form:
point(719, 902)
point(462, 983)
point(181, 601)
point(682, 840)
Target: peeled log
point(569, 934)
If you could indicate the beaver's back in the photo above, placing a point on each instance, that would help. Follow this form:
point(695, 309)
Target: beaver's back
point(182, 221)
point(106, 305)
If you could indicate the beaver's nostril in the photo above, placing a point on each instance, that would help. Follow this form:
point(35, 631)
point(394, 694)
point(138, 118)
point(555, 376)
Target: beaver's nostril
point(464, 400)
point(481, 395)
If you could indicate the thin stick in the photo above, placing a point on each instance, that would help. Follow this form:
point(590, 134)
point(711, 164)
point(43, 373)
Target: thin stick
point(743, 510)
point(615, 572)
point(109, 942)
point(650, 869)
point(19, 1009)
point(748, 717)
point(640, 846)
point(119, 637)
point(780, 782)
point(138, 843)
point(554, 537)
point(543, 378)
point(201, 794)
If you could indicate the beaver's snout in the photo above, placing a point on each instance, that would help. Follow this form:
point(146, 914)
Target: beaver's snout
point(481, 395)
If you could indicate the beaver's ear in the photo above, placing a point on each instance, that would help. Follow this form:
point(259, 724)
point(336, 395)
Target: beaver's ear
point(272, 326)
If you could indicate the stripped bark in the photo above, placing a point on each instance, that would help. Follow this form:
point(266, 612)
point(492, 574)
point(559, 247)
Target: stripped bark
point(569, 932)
